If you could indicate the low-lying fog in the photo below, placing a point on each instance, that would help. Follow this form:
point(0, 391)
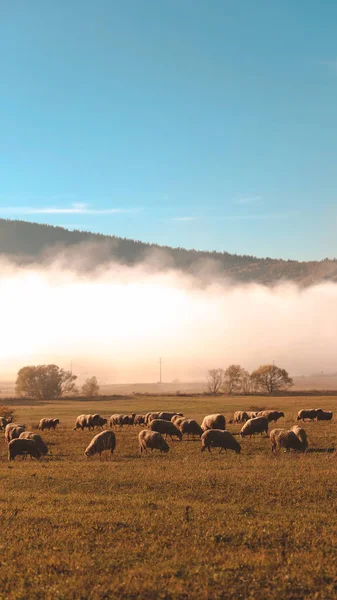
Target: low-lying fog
point(116, 323)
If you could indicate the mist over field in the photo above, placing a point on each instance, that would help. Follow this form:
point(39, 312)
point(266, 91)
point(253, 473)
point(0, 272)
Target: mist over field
point(117, 321)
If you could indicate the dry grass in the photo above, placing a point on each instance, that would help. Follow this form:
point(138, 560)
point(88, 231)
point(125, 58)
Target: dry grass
point(182, 525)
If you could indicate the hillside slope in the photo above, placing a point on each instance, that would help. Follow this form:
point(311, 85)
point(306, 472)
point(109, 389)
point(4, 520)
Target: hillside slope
point(26, 242)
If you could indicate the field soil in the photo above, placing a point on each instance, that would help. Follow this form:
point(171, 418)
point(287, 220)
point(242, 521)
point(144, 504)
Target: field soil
point(179, 526)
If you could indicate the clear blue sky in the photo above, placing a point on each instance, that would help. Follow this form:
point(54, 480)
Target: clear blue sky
point(205, 124)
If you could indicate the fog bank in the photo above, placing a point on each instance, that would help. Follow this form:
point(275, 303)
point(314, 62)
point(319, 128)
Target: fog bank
point(117, 322)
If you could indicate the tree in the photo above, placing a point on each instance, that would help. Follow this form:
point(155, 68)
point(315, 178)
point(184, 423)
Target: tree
point(90, 387)
point(215, 380)
point(270, 378)
point(234, 378)
point(44, 382)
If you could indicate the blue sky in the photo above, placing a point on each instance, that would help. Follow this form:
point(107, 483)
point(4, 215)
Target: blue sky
point(183, 122)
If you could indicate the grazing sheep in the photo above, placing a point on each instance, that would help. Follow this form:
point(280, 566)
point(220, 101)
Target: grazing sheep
point(48, 424)
point(167, 416)
point(153, 440)
point(178, 421)
point(81, 422)
point(4, 421)
point(251, 414)
point(106, 440)
point(217, 438)
point(190, 427)
point(301, 434)
point(162, 426)
point(19, 447)
point(256, 425)
point(271, 415)
point(30, 435)
point(310, 414)
point(240, 416)
point(216, 421)
point(12, 431)
point(151, 416)
point(139, 420)
point(116, 420)
point(282, 438)
point(98, 421)
point(324, 415)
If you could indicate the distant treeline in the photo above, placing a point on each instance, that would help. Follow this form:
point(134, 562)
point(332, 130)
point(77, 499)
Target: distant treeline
point(28, 242)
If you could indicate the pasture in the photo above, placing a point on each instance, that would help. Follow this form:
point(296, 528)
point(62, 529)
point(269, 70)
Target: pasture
point(177, 526)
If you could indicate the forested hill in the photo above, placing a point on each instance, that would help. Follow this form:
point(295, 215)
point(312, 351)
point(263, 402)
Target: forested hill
point(31, 242)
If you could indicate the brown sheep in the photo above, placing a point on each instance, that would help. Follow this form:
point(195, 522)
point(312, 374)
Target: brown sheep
point(105, 440)
point(271, 415)
point(310, 414)
point(216, 421)
point(81, 422)
point(251, 414)
point(153, 440)
point(240, 416)
point(190, 427)
point(162, 426)
point(19, 447)
point(217, 438)
point(301, 434)
point(4, 421)
point(13, 431)
point(281, 438)
point(98, 421)
point(324, 415)
point(116, 420)
point(167, 416)
point(30, 435)
point(48, 424)
point(139, 420)
point(256, 425)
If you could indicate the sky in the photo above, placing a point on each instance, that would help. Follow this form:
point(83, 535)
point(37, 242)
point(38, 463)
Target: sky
point(208, 125)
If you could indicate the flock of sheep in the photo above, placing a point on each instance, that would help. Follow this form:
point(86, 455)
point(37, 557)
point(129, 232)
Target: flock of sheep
point(212, 431)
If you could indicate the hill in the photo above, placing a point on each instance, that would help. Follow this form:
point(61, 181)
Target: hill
point(26, 243)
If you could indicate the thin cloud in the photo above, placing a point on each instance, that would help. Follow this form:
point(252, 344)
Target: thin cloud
point(249, 200)
point(184, 219)
point(77, 208)
point(332, 64)
point(263, 216)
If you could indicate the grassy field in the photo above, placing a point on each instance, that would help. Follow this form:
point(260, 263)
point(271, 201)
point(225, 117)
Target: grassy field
point(177, 526)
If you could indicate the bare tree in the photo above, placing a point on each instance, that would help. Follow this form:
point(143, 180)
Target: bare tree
point(233, 378)
point(215, 380)
point(90, 387)
point(270, 378)
point(246, 382)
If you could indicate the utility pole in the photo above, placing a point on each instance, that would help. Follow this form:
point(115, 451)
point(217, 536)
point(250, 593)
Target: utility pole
point(160, 361)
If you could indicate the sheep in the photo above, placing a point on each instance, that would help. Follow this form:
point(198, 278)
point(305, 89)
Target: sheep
point(256, 425)
point(139, 420)
point(153, 440)
point(98, 421)
point(116, 420)
point(81, 422)
point(191, 427)
point(282, 438)
point(240, 416)
point(215, 421)
point(12, 431)
point(4, 421)
point(251, 414)
point(151, 416)
point(162, 426)
point(30, 435)
point(167, 416)
point(18, 447)
point(301, 434)
point(324, 415)
point(105, 440)
point(177, 420)
point(217, 438)
point(310, 414)
point(48, 424)
point(271, 415)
